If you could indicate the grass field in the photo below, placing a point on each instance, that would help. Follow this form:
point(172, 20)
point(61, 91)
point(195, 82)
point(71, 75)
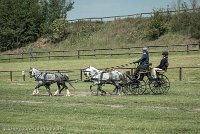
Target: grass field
point(175, 112)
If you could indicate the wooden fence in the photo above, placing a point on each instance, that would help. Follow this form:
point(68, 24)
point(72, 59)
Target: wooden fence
point(22, 75)
point(141, 15)
point(96, 52)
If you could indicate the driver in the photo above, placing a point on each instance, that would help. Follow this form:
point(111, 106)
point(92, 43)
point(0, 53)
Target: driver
point(143, 62)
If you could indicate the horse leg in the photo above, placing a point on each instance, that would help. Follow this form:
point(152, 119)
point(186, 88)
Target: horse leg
point(91, 88)
point(100, 89)
point(67, 91)
point(117, 88)
point(58, 91)
point(36, 90)
point(48, 89)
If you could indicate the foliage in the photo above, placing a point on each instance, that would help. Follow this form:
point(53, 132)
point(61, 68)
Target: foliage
point(186, 23)
point(58, 29)
point(18, 22)
point(23, 21)
point(157, 25)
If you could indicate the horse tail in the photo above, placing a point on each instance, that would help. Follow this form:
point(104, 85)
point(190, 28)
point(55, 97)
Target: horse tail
point(66, 78)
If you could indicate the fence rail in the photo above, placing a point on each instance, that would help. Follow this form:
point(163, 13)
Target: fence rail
point(141, 15)
point(97, 52)
point(11, 74)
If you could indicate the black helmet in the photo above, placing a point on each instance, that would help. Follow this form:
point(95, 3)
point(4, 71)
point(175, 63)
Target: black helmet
point(165, 53)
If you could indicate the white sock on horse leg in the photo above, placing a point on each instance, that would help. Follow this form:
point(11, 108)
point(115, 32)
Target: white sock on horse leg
point(68, 93)
point(57, 92)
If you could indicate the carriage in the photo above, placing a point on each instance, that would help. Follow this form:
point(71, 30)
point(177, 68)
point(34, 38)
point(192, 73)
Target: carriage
point(159, 85)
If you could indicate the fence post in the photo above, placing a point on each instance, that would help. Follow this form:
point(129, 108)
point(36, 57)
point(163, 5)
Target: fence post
point(188, 49)
point(81, 76)
point(49, 55)
point(9, 57)
point(180, 73)
point(199, 45)
point(22, 56)
point(10, 75)
point(111, 52)
point(78, 54)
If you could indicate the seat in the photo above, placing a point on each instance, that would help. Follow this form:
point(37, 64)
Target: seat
point(145, 71)
point(160, 71)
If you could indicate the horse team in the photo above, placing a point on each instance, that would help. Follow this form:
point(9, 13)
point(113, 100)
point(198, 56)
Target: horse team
point(98, 77)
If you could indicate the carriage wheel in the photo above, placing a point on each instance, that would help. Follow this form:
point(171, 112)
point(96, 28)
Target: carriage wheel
point(125, 89)
point(155, 87)
point(142, 87)
point(160, 85)
point(133, 87)
point(165, 84)
point(137, 87)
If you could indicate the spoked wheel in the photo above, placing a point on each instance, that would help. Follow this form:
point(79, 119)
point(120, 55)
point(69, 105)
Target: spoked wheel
point(125, 89)
point(133, 88)
point(137, 87)
point(165, 84)
point(142, 87)
point(155, 87)
point(159, 85)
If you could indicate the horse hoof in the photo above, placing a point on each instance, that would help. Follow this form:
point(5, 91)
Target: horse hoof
point(103, 94)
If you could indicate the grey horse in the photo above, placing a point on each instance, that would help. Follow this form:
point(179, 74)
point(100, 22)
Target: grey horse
point(100, 77)
point(46, 79)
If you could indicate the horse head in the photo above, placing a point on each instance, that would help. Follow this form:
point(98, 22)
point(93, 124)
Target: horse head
point(90, 71)
point(33, 72)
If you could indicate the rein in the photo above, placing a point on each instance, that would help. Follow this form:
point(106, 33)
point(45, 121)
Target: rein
point(36, 77)
point(96, 73)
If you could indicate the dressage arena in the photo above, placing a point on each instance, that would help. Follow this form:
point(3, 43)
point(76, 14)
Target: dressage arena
point(177, 111)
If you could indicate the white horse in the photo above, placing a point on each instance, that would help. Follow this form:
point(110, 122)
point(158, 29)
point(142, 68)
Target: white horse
point(100, 77)
point(46, 79)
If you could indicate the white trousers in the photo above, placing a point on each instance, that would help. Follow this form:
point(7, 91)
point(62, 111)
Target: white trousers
point(153, 72)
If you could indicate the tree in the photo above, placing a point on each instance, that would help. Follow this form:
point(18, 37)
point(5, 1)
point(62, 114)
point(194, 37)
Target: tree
point(23, 21)
point(55, 23)
point(18, 22)
point(194, 4)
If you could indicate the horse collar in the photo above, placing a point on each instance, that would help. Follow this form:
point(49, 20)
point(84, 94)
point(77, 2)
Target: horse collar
point(36, 77)
point(94, 74)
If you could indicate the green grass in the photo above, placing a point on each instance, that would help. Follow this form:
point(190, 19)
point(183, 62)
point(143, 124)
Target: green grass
point(175, 112)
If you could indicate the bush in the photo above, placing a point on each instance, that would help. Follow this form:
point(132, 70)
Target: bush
point(186, 23)
point(157, 25)
point(58, 30)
